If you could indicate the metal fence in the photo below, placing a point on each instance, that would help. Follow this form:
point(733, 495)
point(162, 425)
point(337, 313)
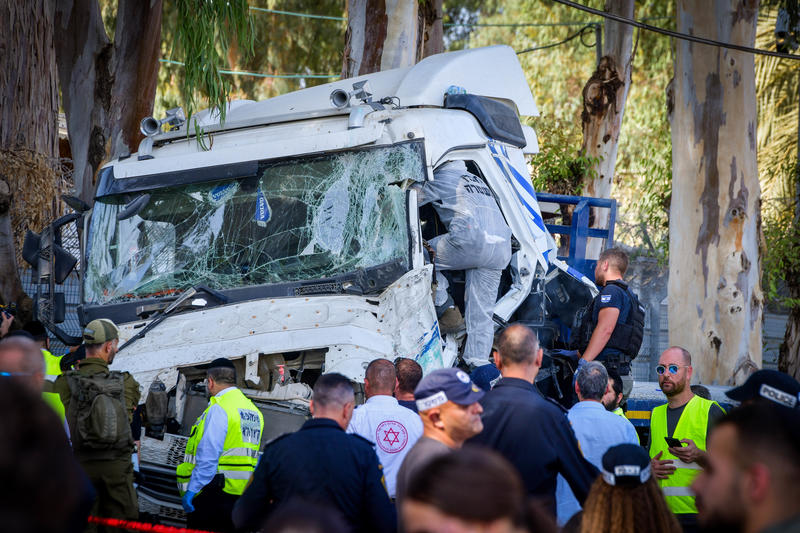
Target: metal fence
point(72, 295)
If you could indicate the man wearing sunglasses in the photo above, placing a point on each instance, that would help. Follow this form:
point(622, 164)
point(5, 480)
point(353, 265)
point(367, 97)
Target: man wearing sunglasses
point(687, 418)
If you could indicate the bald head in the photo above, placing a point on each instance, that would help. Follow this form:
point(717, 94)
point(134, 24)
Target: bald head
point(381, 378)
point(518, 345)
point(684, 354)
point(23, 357)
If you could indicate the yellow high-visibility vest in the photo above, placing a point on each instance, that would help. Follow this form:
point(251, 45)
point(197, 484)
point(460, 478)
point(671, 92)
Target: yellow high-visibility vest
point(693, 424)
point(240, 449)
point(52, 365)
point(54, 400)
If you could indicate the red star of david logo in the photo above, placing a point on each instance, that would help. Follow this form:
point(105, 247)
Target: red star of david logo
point(390, 436)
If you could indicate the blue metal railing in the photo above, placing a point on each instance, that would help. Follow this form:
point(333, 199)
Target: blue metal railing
point(579, 231)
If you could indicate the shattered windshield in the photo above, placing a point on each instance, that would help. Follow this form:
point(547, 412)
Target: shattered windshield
point(296, 220)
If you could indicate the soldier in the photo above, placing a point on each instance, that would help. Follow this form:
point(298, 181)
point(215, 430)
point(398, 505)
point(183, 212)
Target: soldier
point(99, 404)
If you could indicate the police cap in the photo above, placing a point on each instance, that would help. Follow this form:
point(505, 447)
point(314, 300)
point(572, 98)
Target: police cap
point(446, 385)
point(626, 465)
point(772, 385)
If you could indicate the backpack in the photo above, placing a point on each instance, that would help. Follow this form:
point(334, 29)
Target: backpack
point(97, 413)
point(627, 337)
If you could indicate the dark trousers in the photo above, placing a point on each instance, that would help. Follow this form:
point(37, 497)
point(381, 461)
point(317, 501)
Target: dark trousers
point(212, 509)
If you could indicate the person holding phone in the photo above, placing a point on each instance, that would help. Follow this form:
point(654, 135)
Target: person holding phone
point(678, 431)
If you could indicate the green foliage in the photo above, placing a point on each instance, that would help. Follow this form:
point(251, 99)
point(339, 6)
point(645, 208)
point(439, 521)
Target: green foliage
point(778, 107)
point(781, 259)
point(557, 76)
point(559, 167)
point(204, 34)
point(282, 44)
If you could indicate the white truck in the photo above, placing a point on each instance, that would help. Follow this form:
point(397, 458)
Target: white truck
point(288, 239)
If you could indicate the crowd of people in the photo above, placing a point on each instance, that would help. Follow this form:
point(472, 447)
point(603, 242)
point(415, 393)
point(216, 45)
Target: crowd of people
point(450, 451)
point(455, 458)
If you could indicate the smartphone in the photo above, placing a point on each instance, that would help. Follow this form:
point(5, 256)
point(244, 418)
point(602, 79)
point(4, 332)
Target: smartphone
point(672, 442)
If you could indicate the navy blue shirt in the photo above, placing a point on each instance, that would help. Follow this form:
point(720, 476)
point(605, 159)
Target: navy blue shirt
point(534, 434)
point(612, 295)
point(409, 404)
point(319, 463)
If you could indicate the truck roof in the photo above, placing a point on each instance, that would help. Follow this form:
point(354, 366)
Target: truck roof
point(492, 71)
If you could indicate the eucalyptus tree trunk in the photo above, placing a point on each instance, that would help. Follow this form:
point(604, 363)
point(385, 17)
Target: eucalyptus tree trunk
point(431, 28)
point(389, 34)
point(106, 87)
point(28, 129)
point(604, 97)
point(715, 298)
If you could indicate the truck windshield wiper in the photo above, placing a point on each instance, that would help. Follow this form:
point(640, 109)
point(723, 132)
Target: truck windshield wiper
point(171, 308)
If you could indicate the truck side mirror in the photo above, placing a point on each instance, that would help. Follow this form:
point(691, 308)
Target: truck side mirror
point(64, 261)
point(59, 308)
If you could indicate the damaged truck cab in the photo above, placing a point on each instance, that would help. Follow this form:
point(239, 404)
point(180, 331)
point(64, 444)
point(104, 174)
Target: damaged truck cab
point(288, 239)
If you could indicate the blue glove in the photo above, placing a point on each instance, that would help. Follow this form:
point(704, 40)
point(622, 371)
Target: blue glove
point(581, 362)
point(187, 501)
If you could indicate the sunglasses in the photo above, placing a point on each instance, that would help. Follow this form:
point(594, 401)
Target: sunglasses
point(673, 369)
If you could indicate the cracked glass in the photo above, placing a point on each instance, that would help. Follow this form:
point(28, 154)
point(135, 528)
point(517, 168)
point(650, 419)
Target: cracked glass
point(301, 219)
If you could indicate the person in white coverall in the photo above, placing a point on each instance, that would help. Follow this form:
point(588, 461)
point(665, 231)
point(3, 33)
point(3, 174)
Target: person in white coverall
point(478, 241)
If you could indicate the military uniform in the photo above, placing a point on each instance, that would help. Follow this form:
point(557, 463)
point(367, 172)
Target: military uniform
point(321, 464)
point(110, 471)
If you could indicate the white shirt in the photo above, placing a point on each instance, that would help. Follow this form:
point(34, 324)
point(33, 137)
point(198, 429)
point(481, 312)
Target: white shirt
point(392, 428)
point(210, 446)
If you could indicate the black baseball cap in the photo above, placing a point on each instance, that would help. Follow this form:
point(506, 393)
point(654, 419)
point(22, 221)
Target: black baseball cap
point(772, 385)
point(626, 465)
point(446, 385)
point(219, 362)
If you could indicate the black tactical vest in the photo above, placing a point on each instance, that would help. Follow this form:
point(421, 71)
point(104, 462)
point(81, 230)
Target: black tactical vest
point(627, 337)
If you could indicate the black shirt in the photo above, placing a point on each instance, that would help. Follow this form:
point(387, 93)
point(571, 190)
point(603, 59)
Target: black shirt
point(536, 437)
point(612, 295)
point(319, 463)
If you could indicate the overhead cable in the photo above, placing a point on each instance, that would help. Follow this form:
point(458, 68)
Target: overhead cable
point(559, 43)
point(446, 24)
point(675, 34)
point(260, 74)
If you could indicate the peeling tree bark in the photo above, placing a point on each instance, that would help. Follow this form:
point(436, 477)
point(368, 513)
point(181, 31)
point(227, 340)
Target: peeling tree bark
point(604, 97)
point(28, 115)
point(431, 28)
point(715, 298)
point(106, 88)
point(388, 34)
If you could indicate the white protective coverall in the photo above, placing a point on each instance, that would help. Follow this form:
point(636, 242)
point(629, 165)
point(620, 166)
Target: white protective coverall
point(478, 241)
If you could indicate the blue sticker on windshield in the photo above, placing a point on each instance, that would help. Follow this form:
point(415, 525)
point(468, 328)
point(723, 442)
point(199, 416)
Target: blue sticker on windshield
point(263, 212)
point(223, 193)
